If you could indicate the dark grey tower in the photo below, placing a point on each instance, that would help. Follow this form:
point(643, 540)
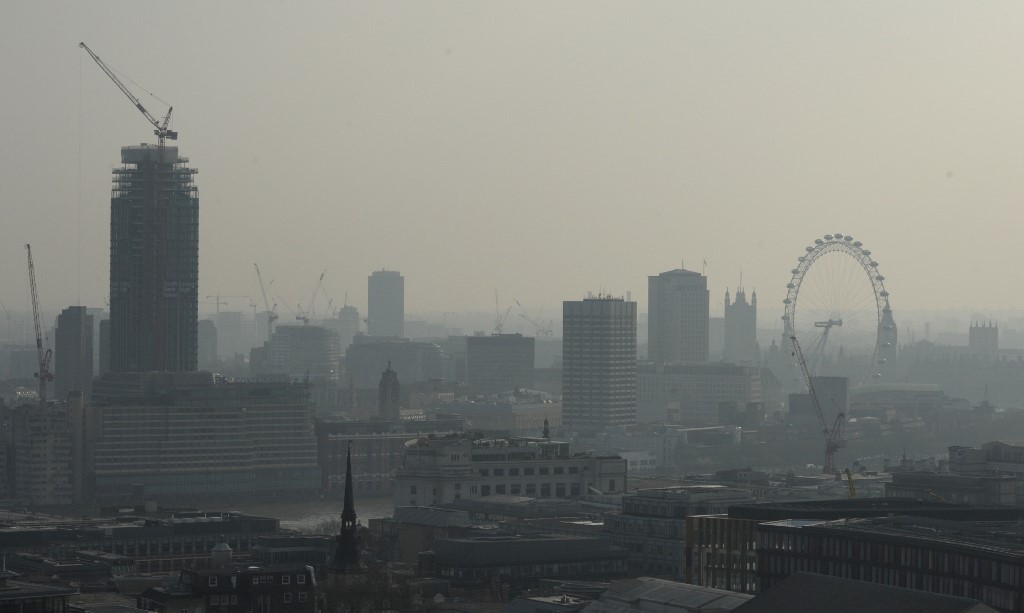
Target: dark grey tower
point(154, 262)
point(390, 393)
point(385, 313)
point(73, 352)
point(346, 555)
point(741, 329)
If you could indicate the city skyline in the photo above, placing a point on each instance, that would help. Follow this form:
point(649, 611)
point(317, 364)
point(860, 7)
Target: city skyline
point(678, 141)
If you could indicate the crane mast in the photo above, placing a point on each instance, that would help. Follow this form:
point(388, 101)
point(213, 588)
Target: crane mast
point(45, 353)
point(833, 435)
point(161, 130)
point(271, 315)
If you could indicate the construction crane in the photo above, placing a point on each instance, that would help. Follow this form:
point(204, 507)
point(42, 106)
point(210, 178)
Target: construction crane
point(834, 435)
point(162, 132)
point(305, 315)
point(218, 301)
point(45, 353)
point(849, 483)
point(540, 329)
point(499, 318)
point(271, 310)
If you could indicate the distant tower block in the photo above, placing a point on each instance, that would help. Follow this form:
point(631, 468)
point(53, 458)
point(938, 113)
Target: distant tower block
point(983, 338)
point(154, 262)
point(73, 354)
point(385, 304)
point(390, 394)
point(678, 311)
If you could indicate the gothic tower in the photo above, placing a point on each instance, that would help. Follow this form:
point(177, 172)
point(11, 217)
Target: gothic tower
point(390, 392)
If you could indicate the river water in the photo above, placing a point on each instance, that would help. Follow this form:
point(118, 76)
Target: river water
point(306, 516)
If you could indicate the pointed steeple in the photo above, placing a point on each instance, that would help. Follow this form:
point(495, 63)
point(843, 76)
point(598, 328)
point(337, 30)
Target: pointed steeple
point(346, 554)
point(348, 513)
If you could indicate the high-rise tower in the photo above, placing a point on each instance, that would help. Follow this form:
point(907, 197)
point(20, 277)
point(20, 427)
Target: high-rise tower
point(741, 329)
point(677, 305)
point(389, 397)
point(385, 313)
point(598, 363)
point(154, 262)
point(73, 352)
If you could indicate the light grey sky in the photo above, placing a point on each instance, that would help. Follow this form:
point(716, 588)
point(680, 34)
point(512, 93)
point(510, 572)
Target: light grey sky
point(543, 149)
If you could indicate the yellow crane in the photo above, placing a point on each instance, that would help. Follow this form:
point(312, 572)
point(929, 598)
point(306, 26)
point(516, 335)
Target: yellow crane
point(849, 482)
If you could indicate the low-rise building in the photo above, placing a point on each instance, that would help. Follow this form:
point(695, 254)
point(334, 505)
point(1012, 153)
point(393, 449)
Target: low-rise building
point(18, 596)
point(981, 560)
point(652, 524)
point(440, 470)
point(288, 588)
point(519, 560)
point(987, 489)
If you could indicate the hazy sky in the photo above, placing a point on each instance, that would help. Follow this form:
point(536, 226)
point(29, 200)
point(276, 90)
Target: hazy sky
point(543, 149)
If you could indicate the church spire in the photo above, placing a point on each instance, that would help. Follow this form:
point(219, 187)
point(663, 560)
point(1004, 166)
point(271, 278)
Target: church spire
point(348, 513)
point(346, 554)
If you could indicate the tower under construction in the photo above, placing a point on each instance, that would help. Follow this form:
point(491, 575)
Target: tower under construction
point(154, 262)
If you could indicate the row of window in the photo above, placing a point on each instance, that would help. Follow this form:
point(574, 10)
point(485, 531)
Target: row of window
point(264, 579)
point(528, 471)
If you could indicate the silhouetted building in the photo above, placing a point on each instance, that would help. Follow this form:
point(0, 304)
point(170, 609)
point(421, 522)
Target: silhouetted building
point(305, 351)
point(390, 395)
point(230, 335)
point(499, 363)
point(693, 393)
point(72, 356)
point(983, 338)
point(741, 329)
point(104, 347)
point(598, 363)
point(154, 262)
point(678, 309)
point(365, 359)
point(385, 304)
point(346, 324)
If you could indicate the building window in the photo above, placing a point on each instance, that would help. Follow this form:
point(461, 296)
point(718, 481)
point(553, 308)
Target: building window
point(286, 579)
point(212, 581)
point(472, 489)
point(559, 470)
point(574, 470)
point(531, 489)
point(574, 489)
point(499, 472)
point(560, 490)
point(300, 579)
point(516, 489)
point(485, 490)
point(458, 487)
point(412, 490)
point(215, 600)
point(255, 580)
point(302, 596)
point(543, 470)
point(234, 599)
point(545, 490)
point(611, 485)
point(513, 472)
point(287, 596)
point(528, 471)
point(499, 489)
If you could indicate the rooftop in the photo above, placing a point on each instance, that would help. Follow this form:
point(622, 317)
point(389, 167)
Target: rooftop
point(649, 594)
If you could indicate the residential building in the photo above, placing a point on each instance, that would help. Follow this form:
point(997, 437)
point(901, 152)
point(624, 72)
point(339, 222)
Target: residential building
point(38, 438)
point(598, 363)
point(18, 596)
point(440, 470)
point(499, 363)
point(741, 329)
point(73, 352)
point(237, 588)
point(147, 443)
point(154, 262)
point(652, 524)
point(385, 304)
point(678, 309)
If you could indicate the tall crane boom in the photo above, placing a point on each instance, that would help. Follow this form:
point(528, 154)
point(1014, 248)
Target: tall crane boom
point(161, 130)
point(271, 314)
point(45, 353)
point(833, 436)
